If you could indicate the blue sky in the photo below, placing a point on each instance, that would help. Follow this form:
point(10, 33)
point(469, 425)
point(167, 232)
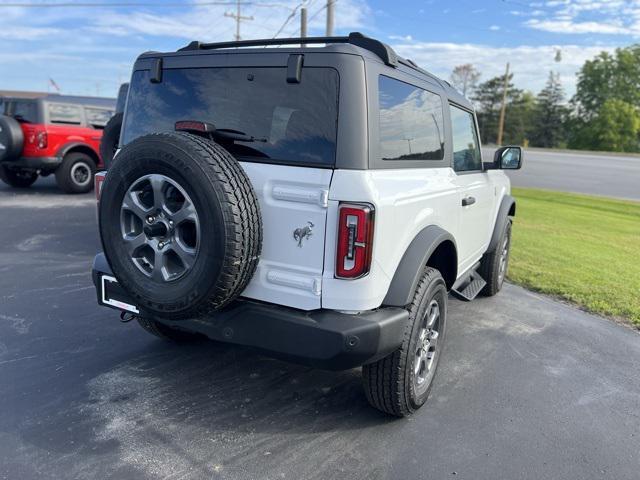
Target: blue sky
point(89, 50)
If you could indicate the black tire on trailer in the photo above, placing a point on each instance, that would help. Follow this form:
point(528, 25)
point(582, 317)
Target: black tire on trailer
point(167, 333)
point(17, 178)
point(400, 383)
point(494, 265)
point(110, 139)
point(75, 174)
point(165, 193)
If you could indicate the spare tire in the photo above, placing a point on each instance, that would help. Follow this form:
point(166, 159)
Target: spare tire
point(180, 224)
point(11, 138)
point(110, 139)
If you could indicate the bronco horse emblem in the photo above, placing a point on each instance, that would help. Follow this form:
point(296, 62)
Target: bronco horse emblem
point(301, 233)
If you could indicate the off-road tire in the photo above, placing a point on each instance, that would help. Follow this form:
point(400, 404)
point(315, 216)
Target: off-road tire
point(490, 263)
point(389, 382)
point(65, 173)
point(167, 333)
point(17, 179)
point(229, 220)
point(110, 139)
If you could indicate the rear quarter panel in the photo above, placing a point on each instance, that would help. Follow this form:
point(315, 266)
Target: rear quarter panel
point(405, 201)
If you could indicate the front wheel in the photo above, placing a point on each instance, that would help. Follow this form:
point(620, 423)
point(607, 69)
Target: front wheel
point(75, 175)
point(17, 178)
point(400, 383)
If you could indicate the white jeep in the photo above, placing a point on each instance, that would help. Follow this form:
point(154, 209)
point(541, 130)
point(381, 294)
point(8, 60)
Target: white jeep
point(315, 203)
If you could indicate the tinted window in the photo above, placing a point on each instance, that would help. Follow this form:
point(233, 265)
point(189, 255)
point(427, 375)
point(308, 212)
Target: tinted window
point(22, 110)
point(97, 117)
point(466, 151)
point(410, 122)
point(67, 114)
point(293, 123)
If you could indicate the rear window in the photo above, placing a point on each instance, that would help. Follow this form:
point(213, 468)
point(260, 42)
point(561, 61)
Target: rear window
point(411, 122)
point(65, 114)
point(296, 123)
point(26, 111)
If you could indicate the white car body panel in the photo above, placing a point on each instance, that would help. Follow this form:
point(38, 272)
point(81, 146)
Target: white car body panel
point(290, 198)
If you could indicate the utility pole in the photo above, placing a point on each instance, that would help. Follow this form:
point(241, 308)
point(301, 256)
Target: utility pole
point(504, 105)
point(303, 23)
point(238, 18)
point(330, 11)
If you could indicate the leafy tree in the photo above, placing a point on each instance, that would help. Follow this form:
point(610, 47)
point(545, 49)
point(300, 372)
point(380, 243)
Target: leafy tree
point(608, 76)
point(518, 114)
point(616, 127)
point(550, 116)
point(465, 78)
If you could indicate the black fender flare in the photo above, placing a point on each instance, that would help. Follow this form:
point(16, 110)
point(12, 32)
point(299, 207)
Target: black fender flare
point(507, 209)
point(413, 262)
point(67, 147)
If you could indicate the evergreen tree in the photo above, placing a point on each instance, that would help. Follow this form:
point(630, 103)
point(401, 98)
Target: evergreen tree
point(465, 78)
point(550, 115)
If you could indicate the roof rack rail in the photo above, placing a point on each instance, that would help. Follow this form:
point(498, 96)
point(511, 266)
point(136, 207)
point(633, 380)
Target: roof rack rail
point(382, 50)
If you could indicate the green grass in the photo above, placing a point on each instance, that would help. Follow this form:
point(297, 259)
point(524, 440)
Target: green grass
point(580, 248)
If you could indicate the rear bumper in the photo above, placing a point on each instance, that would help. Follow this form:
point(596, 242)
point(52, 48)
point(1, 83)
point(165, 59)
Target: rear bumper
point(38, 163)
point(320, 338)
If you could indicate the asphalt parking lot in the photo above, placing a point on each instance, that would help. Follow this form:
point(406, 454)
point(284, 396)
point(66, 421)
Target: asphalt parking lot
point(527, 388)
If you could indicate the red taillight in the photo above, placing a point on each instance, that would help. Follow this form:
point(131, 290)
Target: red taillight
point(98, 179)
point(42, 139)
point(194, 126)
point(355, 240)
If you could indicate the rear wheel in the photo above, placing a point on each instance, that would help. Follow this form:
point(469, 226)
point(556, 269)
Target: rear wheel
point(400, 383)
point(75, 175)
point(494, 265)
point(167, 333)
point(17, 178)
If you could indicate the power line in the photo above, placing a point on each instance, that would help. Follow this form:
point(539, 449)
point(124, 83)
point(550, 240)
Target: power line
point(291, 15)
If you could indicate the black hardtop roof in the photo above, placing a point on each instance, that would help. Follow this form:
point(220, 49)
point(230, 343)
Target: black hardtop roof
point(355, 44)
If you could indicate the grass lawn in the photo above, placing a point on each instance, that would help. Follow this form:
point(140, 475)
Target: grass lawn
point(580, 248)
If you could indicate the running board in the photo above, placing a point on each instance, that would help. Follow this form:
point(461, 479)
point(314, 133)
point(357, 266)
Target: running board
point(469, 286)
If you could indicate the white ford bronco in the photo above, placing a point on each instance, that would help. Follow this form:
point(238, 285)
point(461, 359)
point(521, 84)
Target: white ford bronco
point(316, 203)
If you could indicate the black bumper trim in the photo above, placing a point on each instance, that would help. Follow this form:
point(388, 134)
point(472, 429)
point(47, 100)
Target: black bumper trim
point(319, 338)
point(34, 162)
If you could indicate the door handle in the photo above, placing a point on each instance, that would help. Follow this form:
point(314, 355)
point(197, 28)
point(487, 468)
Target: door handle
point(468, 201)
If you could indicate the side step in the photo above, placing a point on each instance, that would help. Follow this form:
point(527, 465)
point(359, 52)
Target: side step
point(468, 288)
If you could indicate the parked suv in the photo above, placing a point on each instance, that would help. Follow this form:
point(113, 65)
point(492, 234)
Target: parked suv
point(316, 203)
point(54, 134)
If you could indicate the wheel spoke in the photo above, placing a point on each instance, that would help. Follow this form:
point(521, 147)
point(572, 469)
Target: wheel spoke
point(158, 266)
point(131, 202)
point(434, 313)
point(187, 255)
point(158, 195)
point(133, 242)
point(187, 212)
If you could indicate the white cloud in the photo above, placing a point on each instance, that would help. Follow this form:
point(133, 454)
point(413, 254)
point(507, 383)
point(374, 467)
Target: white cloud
point(529, 64)
point(571, 27)
point(494, 28)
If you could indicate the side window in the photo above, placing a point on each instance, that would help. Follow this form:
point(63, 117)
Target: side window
point(411, 122)
point(66, 114)
point(466, 151)
point(97, 117)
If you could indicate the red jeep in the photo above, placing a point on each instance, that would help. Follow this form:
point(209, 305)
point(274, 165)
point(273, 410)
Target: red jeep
point(53, 134)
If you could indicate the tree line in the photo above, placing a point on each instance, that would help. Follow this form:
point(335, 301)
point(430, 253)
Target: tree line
point(604, 113)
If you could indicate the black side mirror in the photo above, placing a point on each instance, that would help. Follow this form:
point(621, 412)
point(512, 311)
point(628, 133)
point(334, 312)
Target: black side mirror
point(508, 158)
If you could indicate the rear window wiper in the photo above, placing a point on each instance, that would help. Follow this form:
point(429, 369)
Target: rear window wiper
point(221, 133)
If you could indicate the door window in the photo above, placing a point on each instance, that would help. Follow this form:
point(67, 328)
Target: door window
point(466, 149)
